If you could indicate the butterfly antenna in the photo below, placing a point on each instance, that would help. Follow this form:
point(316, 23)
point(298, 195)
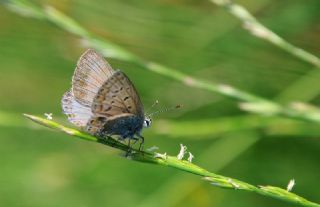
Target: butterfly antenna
point(165, 110)
point(153, 105)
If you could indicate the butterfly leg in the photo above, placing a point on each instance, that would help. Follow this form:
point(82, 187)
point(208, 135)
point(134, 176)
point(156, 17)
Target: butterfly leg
point(135, 140)
point(141, 143)
point(129, 148)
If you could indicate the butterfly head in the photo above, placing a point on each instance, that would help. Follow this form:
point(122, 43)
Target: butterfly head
point(147, 122)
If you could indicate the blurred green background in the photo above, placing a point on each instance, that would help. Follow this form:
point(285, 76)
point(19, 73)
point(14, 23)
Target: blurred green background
point(39, 167)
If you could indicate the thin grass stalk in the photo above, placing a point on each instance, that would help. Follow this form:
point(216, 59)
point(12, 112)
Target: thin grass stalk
point(257, 29)
point(249, 102)
point(182, 165)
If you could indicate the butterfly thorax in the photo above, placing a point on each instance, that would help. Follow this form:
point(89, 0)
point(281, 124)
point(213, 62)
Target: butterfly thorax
point(126, 126)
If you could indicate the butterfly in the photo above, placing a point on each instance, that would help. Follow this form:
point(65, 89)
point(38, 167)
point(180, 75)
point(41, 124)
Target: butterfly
point(103, 101)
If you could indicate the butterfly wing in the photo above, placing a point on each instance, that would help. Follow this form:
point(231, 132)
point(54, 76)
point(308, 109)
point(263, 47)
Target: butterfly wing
point(117, 96)
point(77, 113)
point(91, 73)
point(117, 99)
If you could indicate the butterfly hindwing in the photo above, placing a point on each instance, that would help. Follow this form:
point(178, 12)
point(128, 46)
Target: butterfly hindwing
point(117, 96)
point(116, 109)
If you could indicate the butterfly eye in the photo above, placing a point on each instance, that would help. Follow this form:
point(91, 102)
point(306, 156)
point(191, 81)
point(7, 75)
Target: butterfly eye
point(147, 122)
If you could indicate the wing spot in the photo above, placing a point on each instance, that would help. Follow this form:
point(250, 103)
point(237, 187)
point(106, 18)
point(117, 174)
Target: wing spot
point(97, 107)
point(126, 98)
point(101, 118)
point(109, 108)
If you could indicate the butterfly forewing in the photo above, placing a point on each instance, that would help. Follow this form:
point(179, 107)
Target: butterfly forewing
point(77, 113)
point(91, 73)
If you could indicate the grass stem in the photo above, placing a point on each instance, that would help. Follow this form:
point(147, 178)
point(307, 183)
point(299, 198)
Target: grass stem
point(182, 165)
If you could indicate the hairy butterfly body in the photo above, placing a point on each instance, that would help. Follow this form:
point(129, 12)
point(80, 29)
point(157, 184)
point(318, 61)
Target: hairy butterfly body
point(103, 101)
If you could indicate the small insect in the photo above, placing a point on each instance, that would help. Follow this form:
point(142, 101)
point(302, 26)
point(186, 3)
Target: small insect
point(103, 101)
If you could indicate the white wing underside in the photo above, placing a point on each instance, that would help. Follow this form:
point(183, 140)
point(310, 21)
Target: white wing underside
point(77, 113)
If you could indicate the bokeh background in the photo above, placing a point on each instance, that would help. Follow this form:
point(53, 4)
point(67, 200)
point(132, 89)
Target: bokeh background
point(39, 167)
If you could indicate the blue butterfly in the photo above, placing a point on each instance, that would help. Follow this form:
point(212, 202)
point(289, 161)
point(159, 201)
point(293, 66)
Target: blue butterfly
point(103, 101)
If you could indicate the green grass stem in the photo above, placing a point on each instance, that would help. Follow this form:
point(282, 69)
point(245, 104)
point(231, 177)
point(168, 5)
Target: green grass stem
point(249, 102)
point(183, 165)
point(251, 24)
